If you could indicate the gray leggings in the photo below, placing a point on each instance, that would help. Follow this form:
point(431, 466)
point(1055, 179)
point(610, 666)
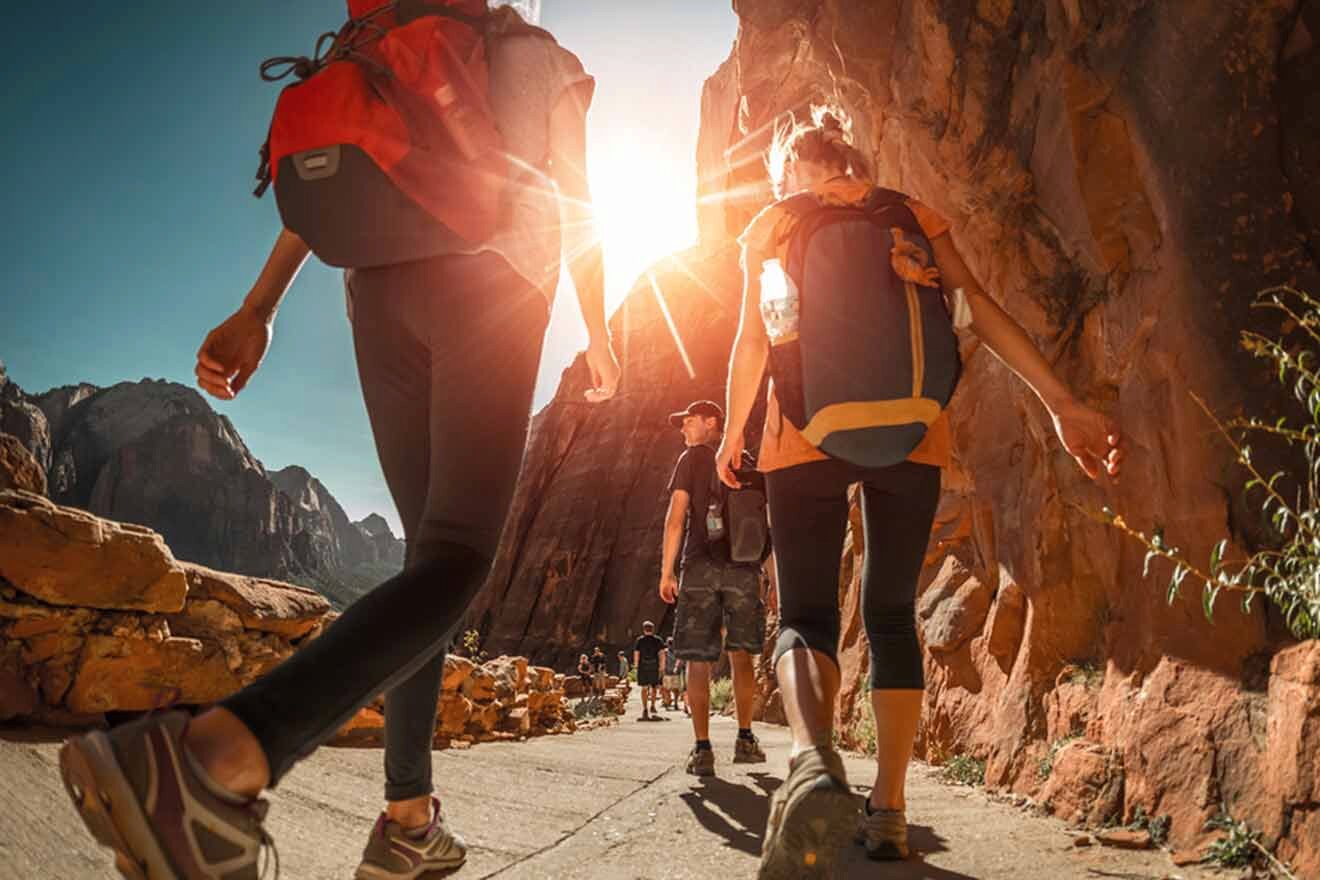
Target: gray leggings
point(447, 352)
point(809, 513)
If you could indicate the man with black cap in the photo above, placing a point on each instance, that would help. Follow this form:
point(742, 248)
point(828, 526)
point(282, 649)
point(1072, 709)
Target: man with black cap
point(713, 592)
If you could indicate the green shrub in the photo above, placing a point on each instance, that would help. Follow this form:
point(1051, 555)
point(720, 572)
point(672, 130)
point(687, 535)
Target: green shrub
point(721, 694)
point(1086, 673)
point(470, 644)
point(963, 770)
point(1241, 847)
point(1238, 848)
point(1156, 826)
point(1287, 573)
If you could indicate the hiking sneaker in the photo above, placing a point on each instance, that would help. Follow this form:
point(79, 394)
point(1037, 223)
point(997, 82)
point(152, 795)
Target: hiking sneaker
point(748, 751)
point(701, 762)
point(811, 815)
point(884, 834)
point(394, 854)
point(139, 793)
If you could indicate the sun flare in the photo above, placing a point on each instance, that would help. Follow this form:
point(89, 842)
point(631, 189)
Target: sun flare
point(645, 204)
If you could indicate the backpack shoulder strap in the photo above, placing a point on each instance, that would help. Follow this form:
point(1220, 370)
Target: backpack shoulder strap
point(893, 204)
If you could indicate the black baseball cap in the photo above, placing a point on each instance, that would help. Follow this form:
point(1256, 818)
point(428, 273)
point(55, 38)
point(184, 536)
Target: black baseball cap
point(707, 408)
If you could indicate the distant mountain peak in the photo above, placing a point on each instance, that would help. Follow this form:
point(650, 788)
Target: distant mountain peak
point(376, 526)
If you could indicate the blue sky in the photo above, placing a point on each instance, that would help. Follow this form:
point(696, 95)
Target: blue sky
point(130, 230)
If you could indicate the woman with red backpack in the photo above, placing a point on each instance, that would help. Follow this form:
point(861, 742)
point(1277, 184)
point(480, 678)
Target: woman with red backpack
point(448, 344)
point(842, 298)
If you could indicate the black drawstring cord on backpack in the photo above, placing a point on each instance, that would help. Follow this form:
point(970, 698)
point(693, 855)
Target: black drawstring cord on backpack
point(330, 46)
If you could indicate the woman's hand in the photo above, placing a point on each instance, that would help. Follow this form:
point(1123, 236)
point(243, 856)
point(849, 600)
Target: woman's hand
point(1091, 438)
point(232, 352)
point(731, 450)
point(604, 371)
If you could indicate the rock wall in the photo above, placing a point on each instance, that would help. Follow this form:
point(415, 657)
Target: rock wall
point(1123, 178)
point(496, 701)
point(1069, 146)
point(98, 616)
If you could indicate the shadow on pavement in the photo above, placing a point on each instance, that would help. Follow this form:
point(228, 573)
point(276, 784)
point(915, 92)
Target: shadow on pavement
point(717, 801)
point(922, 839)
point(738, 813)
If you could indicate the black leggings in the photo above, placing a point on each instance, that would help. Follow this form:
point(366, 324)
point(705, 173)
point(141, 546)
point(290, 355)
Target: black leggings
point(809, 513)
point(447, 352)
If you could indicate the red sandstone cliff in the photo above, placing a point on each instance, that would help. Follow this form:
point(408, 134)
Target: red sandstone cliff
point(1123, 177)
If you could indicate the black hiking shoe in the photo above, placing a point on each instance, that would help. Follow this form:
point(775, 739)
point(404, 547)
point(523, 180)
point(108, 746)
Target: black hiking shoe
point(811, 816)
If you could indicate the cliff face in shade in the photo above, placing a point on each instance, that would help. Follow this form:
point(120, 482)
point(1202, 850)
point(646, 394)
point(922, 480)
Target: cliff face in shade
point(580, 559)
point(22, 418)
point(385, 548)
point(1122, 178)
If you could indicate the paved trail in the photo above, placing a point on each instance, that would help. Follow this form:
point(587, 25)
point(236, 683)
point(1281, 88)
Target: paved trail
point(607, 804)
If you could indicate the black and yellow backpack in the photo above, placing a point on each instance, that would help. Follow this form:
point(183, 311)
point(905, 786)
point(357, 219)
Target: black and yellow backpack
point(873, 360)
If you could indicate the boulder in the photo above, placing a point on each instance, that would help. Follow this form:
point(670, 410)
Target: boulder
point(541, 678)
point(453, 713)
point(953, 608)
point(457, 671)
point(1084, 786)
point(140, 674)
point(258, 604)
point(65, 556)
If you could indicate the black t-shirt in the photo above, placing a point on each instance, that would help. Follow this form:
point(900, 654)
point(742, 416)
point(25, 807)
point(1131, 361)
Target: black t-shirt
point(694, 474)
point(599, 662)
point(648, 650)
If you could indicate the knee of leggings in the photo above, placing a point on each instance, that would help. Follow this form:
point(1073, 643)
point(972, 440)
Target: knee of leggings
point(895, 651)
point(795, 636)
point(435, 551)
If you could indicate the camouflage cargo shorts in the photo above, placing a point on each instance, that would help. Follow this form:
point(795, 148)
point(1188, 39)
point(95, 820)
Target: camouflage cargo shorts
point(711, 596)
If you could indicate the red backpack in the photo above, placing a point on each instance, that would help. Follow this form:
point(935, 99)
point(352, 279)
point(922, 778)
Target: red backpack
point(386, 149)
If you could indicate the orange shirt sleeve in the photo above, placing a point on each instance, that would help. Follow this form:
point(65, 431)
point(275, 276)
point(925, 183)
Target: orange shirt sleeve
point(931, 223)
point(762, 233)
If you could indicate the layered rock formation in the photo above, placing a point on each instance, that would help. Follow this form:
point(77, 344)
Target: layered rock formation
point(155, 453)
point(499, 700)
point(98, 616)
point(1123, 178)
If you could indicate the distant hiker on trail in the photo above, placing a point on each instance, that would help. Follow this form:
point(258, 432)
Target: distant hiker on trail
point(673, 684)
point(585, 674)
point(648, 656)
point(448, 339)
point(715, 593)
point(623, 666)
point(600, 672)
point(870, 346)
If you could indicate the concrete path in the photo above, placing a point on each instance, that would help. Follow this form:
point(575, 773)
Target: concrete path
point(607, 804)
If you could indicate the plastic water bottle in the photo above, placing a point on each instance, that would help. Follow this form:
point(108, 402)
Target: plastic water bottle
point(779, 302)
point(714, 521)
